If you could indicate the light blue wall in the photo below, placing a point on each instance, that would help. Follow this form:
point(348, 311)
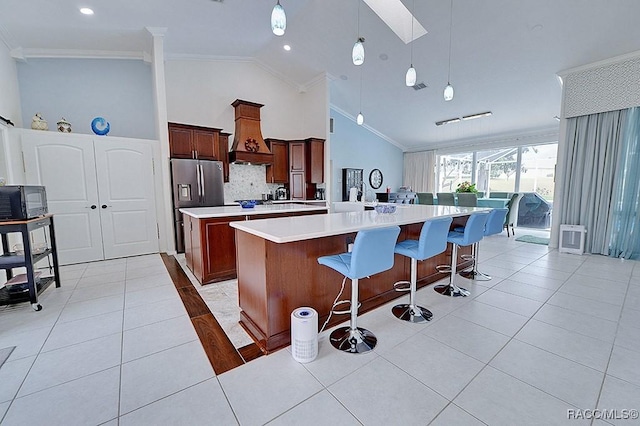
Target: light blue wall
point(353, 146)
point(82, 89)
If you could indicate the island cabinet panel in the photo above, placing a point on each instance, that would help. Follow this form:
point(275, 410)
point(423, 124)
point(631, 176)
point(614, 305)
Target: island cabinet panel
point(274, 279)
point(210, 244)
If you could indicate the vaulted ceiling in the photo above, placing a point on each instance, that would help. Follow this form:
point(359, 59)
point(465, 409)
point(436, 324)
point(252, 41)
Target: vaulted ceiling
point(505, 54)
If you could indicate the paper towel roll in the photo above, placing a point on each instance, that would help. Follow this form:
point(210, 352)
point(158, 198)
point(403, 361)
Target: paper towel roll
point(353, 194)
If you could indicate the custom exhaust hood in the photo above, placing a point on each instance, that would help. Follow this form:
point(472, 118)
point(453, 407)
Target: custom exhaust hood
point(248, 145)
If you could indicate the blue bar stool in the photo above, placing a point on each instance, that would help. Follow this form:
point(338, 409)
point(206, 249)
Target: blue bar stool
point(372, 253)
point(473, 232)
point(494, 225)
point(432, 241)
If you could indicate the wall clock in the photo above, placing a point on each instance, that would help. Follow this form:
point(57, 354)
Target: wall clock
point(375, 178)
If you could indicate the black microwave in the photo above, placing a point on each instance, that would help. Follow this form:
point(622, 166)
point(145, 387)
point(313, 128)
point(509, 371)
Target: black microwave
point(21, 202)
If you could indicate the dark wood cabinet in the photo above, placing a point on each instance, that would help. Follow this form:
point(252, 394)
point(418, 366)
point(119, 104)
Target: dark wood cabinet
point(186, 141)
point(297, 163)
point(306, 168)
point(210, 244)
point(297, 156)
point(315, 160)
point(210, 249)
point(278, 172)
point(223, 148)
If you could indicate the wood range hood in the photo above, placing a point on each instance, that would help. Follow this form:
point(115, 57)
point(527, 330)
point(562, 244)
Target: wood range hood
point(248, 145)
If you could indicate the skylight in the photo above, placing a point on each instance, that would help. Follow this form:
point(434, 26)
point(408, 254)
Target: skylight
point(398, 18)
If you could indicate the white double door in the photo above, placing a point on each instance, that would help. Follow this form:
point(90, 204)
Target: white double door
point(100, 190)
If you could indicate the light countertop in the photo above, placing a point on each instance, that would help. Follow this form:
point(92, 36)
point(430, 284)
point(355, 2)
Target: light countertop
point(236, 210)
point(298, 228)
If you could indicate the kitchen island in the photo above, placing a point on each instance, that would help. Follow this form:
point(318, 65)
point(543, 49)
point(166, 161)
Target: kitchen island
point(278, 270)
point(210, 248)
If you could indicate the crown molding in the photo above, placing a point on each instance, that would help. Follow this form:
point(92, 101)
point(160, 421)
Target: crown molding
point(321, 78)
point(369, 128)
point(26, 53)
point(156, 31)
point(599, 64)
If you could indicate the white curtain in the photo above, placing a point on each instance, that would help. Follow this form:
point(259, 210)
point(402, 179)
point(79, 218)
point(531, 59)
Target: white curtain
point(592, 151)
point(419, 171)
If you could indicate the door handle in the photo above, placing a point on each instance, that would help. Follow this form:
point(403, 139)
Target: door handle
point(104, 206)
point(202, 181)
point(198, 183)
point(93, 207)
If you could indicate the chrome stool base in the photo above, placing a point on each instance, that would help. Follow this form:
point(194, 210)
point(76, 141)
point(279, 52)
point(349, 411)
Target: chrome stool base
point(414, 314)
point(449, 290)
point(475, 275)
point(356, 341)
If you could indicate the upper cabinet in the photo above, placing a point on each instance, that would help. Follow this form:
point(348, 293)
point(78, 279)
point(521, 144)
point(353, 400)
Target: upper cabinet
point(186, 141)
point(315, 160)
point(224, 154)
point(278, 172)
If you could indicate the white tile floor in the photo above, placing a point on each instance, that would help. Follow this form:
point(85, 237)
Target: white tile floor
point(550, 333)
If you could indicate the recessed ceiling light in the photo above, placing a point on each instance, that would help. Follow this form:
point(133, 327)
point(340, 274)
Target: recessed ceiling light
point(286, 47)
point(384, 56)
point(86, 11)
point(344, 77)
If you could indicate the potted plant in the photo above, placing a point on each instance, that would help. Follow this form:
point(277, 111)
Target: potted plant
point(467, 186)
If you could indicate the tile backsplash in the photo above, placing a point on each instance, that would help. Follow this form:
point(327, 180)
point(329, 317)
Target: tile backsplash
point(247, 182)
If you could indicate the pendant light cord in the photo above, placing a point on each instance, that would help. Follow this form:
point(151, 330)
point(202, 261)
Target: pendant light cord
point(360, 89)
point(413, 11)
point(450, 25)
point(358, 35)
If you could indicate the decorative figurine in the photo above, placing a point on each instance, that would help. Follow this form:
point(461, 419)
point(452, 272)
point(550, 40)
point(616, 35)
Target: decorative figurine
point(39, 123)
point(64, 126)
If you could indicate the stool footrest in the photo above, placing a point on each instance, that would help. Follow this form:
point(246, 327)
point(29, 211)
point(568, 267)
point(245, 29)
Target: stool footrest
point(402, 286)
point(444, 269)
point(467, 256)
point(342, 302)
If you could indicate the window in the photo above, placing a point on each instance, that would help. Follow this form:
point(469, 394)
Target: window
point(515, 169)
point(452, 170)
point(497, 170)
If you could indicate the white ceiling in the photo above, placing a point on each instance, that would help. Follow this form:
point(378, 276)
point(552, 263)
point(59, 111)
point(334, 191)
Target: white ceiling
point(505, 53)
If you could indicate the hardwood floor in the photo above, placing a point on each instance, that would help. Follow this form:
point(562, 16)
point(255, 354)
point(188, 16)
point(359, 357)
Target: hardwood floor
point(219, 349)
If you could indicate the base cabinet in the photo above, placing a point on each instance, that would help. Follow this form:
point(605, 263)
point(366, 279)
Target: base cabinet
point(210, 244)
point(210, 249)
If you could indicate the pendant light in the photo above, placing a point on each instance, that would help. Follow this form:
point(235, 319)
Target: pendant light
point(411, 77)
point(448, 90)
point(357, 53)
point(360, 117)
point(278, 20)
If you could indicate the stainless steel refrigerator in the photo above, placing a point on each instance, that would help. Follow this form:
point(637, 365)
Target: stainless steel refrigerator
point(195, 183)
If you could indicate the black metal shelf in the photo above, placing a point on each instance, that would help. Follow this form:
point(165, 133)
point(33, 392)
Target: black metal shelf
point(20, 292)
point(12, 260)
point(29, 290)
